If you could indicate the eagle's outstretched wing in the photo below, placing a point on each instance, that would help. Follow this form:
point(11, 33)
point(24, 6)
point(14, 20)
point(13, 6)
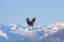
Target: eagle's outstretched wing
point(28, 20)
point(33, 20)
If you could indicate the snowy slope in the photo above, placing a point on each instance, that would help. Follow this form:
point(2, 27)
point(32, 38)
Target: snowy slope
point(19, 33)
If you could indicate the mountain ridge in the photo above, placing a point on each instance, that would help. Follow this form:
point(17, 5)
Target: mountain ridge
point(15, 32)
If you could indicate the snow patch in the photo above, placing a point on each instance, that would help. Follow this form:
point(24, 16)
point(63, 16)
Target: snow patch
point(22, 31)
point(56, 27)
point(3, 34)
point(14, 26)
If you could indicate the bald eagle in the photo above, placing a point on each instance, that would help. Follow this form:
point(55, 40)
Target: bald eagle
point(30, 23)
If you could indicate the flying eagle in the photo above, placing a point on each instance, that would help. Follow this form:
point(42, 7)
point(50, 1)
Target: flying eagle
point(30, 23)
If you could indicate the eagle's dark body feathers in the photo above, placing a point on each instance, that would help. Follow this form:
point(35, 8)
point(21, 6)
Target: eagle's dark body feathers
point(30, 23)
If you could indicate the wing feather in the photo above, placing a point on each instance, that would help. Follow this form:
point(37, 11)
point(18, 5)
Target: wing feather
point(28, 20)
point(33, 20)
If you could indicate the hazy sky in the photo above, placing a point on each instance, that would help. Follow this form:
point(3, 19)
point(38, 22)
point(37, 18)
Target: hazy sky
point(45, 11)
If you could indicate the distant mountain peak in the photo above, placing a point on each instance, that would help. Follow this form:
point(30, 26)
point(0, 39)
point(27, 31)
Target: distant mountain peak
point(56, 27)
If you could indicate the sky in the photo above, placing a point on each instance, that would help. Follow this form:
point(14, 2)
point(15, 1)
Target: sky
point(45, 11)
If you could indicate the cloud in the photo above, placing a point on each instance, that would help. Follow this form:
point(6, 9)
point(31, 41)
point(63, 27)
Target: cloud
point(3, 34)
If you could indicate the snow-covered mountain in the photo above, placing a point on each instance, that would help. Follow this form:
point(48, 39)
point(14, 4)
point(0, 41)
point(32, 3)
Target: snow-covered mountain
point(19, 33)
